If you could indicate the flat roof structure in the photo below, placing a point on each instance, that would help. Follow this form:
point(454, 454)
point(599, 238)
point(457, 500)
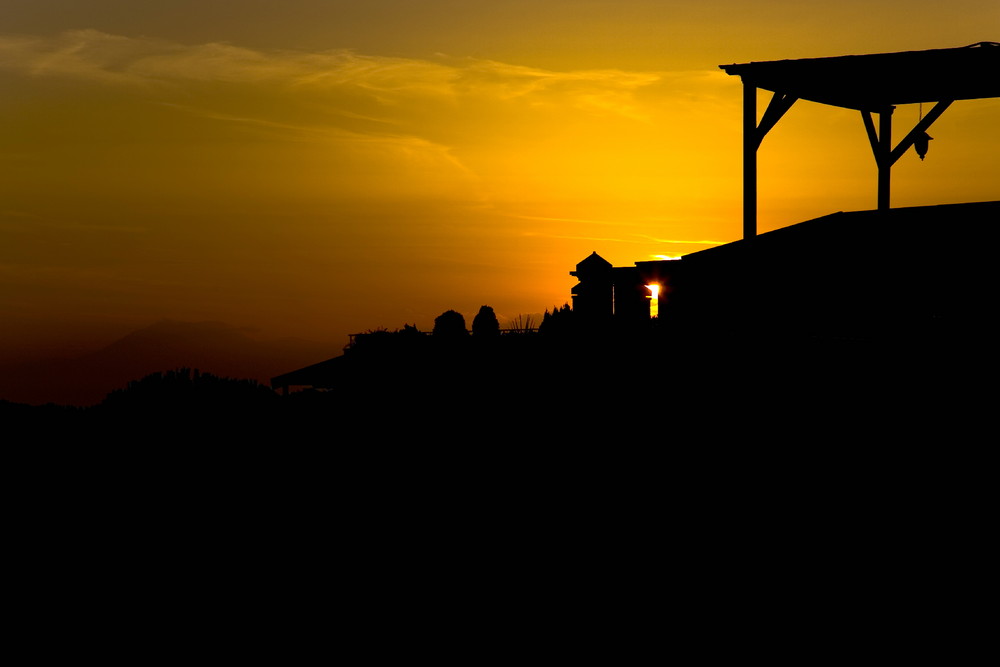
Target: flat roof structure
point(870, 84)
point(875, 81)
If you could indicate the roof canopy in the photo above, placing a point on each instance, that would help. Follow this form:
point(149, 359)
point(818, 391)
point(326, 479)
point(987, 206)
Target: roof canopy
point(875, 81)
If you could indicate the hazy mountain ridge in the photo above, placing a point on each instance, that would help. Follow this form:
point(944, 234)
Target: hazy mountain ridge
point(212, 347)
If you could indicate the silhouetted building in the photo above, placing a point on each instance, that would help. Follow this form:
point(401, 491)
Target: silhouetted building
point(862, 274)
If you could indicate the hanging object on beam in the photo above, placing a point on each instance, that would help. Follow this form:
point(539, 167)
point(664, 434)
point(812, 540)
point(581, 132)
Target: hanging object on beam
point(920, 144)
point(920, 141)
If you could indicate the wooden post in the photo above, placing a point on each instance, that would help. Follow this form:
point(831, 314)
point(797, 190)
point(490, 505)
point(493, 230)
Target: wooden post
point(750, 143)
point(883, 159)
point(881, 141)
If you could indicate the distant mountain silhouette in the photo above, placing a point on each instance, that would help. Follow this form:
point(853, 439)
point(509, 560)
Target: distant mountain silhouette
point(212, 347)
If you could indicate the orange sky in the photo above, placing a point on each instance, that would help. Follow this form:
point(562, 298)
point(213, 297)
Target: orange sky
point(316, 168)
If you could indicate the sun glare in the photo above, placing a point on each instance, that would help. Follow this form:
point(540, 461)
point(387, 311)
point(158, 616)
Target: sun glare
point(654, 300)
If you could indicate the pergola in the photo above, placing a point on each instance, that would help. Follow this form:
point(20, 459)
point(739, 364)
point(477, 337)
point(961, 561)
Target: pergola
point(871, 84)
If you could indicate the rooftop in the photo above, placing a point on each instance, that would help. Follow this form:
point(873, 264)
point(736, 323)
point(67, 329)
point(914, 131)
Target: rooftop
point(879, 80)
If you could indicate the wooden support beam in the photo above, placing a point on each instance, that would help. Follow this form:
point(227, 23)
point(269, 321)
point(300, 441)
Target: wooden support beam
point(881, 142)
point(753, 135)
point(776, 108)
point(750, 143)
point(884, 165)
point(872, 134)
point(918, 130)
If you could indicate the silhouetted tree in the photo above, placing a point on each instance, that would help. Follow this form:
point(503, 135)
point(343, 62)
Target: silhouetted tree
point(184, 392)
point(559, 321)
point(450, 324)
point(383, 340)
point(409, 331)
point(485, 323)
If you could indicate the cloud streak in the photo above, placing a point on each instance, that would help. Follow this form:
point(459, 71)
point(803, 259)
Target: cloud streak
point(114, 59)
point(442, 113)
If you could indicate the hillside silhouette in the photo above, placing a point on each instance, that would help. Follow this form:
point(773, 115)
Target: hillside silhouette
point(213, 347)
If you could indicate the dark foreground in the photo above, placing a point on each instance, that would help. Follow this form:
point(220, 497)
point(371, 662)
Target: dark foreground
point(795, 504)
point(531, 392)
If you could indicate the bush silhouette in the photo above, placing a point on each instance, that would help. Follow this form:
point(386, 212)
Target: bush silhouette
point(485, 323)
point(450, 324)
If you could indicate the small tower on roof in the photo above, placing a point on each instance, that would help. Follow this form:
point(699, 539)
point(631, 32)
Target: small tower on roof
point(593, 296)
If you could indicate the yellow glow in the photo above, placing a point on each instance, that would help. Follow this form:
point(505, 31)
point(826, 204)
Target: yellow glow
point(654, 300)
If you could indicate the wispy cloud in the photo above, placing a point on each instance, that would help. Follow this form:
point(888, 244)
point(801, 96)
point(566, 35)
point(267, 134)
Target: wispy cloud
point(99, 56)
point(654, 239)
point(613, 239)
point(443, 106)
point(459, 127)
point(587, 221)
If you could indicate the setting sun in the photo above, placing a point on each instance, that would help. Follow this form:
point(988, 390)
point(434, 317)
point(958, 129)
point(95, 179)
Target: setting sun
point(654, 300)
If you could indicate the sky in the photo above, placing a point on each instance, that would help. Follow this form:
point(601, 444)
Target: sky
point(318, 168)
